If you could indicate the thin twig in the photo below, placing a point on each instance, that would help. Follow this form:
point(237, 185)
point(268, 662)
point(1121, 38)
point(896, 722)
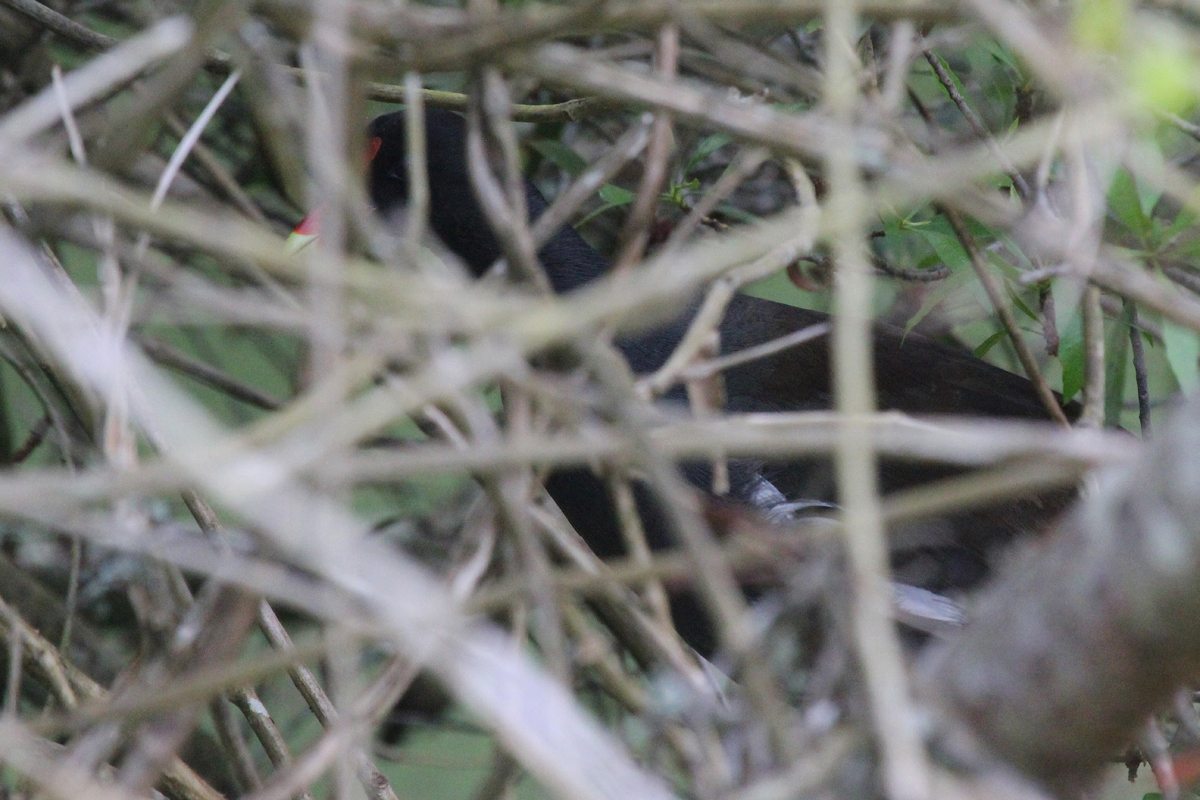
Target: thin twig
point(947, 81)
point(567, 111)
point(191, 138)
point(70, 684)
point(705, 369)
point(71, 604)
point(743, 165)
point(95, 78)
point(1190, 128)
point(715, 581)
point(170, 356)
point(219, 174)
point(901, 44)
point(1139, 368)
point(905, 768)
point(374, 782)
point(1000, 305)
point(418, 174)
point(63, 26)
point(37, 434)
point(229, 733)
point(634, 533)
point(16, 649)
point(505, 210)
point(635, 233)
point(74, 139)
point(1112, 272)
point(265, 730)
point(1183, 276)
point(938, 273)
point(1094, 367)
point(631, 143)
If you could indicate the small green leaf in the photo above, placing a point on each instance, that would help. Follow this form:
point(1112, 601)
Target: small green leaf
point(676, 193)
point(1183, 354)
point(990, 342)
point(1003, 55)
point(1068, 318)
point(1184, 219)
point(939, 293)
point(1022, 306)
point(946, 246)
point(1126, 205)
point(615, 195)
point(735, 213)
point(560, 155)
point(1153, 162)
point(1116, 349)
point(1070, 355)
point(792, 108)
point(597, 212)
point(1014, 248)
point(706, 147)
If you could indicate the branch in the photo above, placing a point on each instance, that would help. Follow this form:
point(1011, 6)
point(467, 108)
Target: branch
point(69, 684)
point(1088, 633)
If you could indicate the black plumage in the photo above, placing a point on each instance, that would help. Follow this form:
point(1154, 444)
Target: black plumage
point(913, 373)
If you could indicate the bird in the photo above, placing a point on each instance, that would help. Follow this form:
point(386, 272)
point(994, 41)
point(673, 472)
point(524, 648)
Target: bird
point(913, 373)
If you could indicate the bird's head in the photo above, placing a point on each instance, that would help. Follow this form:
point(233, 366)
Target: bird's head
point(453, 210)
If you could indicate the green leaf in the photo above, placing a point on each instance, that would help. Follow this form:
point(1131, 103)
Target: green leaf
point(676, 193)
point(1126, 205)
point(1014, 248)
point(1116, 353)
point(735, 213)
point(1183, 354)
point(990, 342)
point(615, 195)
point(1069, 320)
point(706, 147)
point(946, 246)
point(1183, 220)
point(943, 290)
point(1002, 54)
point(1024, 308)
point(597, 212)
point(1070, 355)
point(560, 155)
point(792, 108)
point(1153, 162)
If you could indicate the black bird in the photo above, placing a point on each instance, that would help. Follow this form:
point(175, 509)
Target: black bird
point(913, 373)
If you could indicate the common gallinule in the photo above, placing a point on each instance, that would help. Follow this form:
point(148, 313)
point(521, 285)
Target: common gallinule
point(913, 374)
